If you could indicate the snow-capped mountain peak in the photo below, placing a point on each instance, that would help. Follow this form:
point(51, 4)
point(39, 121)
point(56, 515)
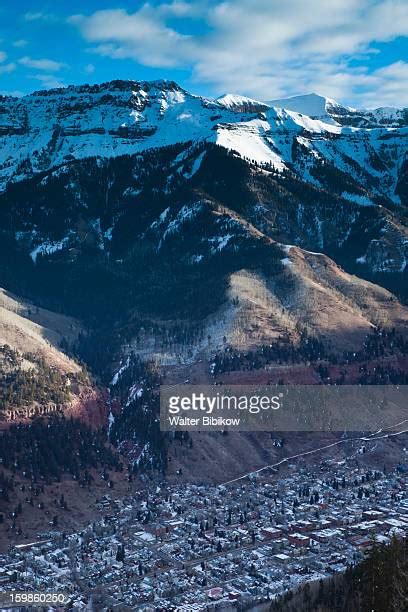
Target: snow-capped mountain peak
point(328, 110)
point(241, 103)
point(313, 105)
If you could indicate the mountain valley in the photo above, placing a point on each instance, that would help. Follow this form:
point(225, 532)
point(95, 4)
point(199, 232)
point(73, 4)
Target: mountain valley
point(150, 235)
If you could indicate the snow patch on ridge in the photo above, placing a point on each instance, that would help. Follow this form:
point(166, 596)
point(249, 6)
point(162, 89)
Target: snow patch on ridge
point(362, 200)
point(48, 248)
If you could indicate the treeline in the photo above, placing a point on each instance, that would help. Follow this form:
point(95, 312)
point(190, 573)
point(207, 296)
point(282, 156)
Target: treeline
point(134, 373)
point(308, 348)
point(381, 343)
point(45, 450)
point(378, 584)
point(95, 350)
point(21, 386)
point(136, 388)
point(376, 374)
point(6, 487)
point(382, 375)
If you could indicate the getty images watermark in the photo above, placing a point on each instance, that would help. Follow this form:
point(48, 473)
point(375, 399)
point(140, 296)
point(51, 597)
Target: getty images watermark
point(282, 407)
point(203, 409)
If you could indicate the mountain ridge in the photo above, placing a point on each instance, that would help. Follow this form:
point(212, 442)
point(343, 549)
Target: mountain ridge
point(47, 128)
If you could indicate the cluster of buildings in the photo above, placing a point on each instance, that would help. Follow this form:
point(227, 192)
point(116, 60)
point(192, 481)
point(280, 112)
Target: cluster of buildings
point(203, 547)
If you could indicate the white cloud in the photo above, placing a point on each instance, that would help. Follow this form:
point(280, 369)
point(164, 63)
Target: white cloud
point(89, 69)
point(39, 16)
point(16, 93)
point(182, 9)
point(3, 56)
point(49, 81)
point(48, 65)
point(33, 16)
point(142, 36)
point(263, 48)
point(388, 86)
point(21, 42)
point(7, 68)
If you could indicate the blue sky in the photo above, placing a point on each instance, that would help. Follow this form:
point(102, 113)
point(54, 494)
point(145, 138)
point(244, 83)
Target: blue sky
point(355, 51)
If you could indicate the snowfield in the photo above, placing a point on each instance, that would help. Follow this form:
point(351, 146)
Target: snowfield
point(49, 129)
